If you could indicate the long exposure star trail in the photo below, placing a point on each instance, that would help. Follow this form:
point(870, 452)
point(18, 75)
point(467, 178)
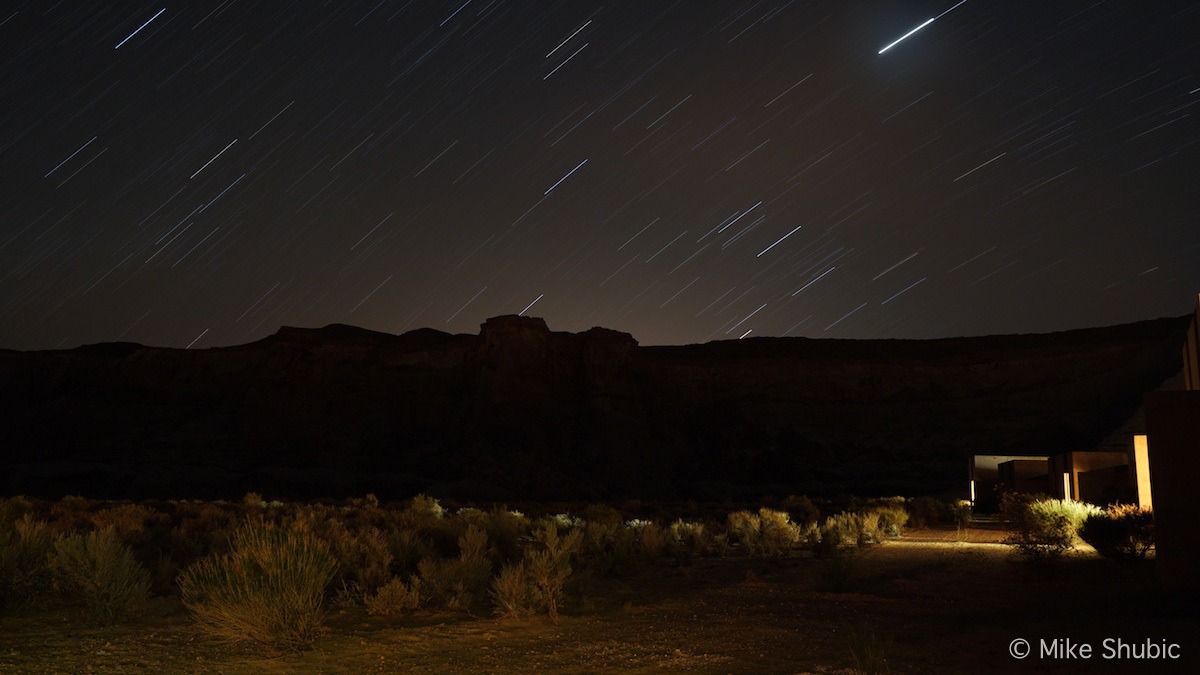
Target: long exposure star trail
point(200, 174)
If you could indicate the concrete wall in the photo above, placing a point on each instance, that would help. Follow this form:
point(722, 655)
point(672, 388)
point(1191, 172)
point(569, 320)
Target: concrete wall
point(1173, 431)
point(984, 476)
point(1066, 468)
point(1024, 475)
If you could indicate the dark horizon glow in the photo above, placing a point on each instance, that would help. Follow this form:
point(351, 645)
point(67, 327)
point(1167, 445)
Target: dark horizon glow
point(200, 174)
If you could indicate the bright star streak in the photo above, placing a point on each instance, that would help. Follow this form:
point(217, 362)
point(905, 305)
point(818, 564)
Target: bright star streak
point(949, 10)
point(906, 35)
point(522, 312)
point(212, 160)
point(139, 28)
point(777, 242)
point(560, 180)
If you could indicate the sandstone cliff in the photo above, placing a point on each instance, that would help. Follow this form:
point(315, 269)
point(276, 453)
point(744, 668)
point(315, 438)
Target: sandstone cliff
point(522, 411)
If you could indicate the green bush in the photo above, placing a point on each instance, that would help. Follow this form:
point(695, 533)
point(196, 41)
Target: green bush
point(268, 589)
point(1123, 532)
point(100, 570)
point(25, 574)
point(394, 598)
point(890, 520)
point(1043, 529)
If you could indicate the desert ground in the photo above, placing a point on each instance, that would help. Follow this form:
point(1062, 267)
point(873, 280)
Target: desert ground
point(935, 600)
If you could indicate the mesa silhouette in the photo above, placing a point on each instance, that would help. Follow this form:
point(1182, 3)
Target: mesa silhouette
point(522, 412)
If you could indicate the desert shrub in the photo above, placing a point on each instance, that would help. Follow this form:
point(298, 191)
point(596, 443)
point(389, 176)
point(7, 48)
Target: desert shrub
point(202, 529)
point(1122, 531)
point(12, 510)
point(268, 589)
point(100, 570)
point(504, 530)
point(548, 563)
point(1023, 511)
point(608, 549)
point(651, 538)
point(1043, 529)
point(564, 521)
point(767, 533)
point(890, 520)
point(252, 500)
point(743, 527)
point(408, 549)
point(514, 593)
point(394, 598)
point(849, 529)
point(602, 514)
point(687, 540)
point(126, 520)
point(925, 511)
point(25, 573)
point(960, 513)
point(778, 535)
point(802, 510)
point(423, 507)
point(70, 514)
point(868, 648)
point(824, 541)
point(460, 582)
point(370, 559)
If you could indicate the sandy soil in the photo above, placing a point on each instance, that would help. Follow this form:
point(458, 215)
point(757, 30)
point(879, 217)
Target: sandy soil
point(940, 605)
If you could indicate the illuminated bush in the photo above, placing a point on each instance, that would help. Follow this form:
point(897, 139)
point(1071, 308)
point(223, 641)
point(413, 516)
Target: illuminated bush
point(100, 570)
point(890, 520)
point(1123, 532)
point(268, 589)
point(1043, 529)
point(767, 533)
point(848, 529)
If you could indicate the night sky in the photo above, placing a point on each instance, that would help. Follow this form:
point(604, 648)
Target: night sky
point(199, 174)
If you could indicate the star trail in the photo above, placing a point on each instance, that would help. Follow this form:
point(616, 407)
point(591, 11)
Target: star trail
point(199, 174)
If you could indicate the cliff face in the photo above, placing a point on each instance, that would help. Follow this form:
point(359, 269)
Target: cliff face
point(521, 411)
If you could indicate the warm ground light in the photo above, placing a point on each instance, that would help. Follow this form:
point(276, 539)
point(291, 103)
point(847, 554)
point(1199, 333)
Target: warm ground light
point(933, 599)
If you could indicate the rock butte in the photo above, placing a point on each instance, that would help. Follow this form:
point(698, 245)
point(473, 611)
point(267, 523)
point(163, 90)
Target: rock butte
point(520, 411)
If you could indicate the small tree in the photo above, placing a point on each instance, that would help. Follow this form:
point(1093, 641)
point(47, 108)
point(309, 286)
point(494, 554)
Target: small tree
point(548, 563)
